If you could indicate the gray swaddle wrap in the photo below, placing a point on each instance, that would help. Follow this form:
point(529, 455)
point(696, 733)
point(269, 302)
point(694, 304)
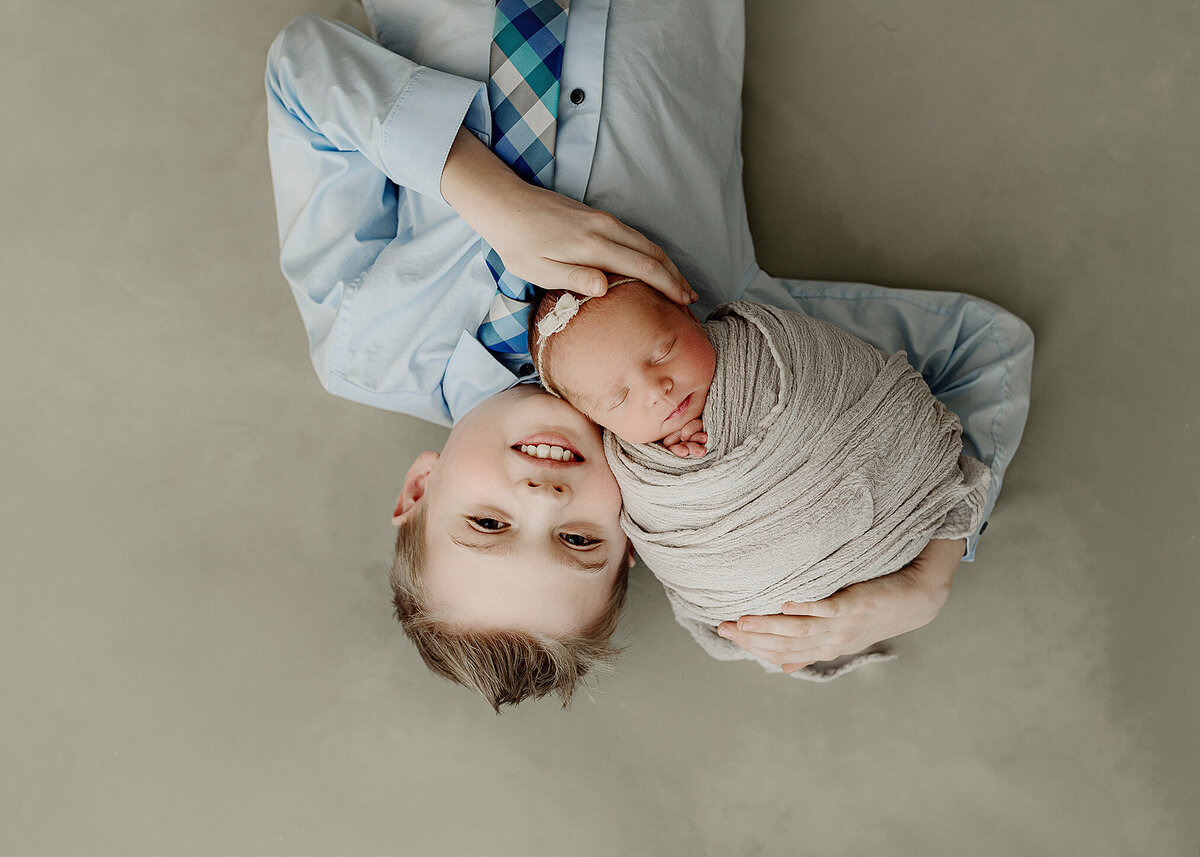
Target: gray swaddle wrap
point(829, 463)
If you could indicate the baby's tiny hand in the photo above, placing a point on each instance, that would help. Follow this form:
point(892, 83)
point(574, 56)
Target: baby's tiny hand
point(689, 440)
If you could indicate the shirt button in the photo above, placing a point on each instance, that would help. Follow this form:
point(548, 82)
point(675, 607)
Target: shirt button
point(577, 96)
point(526, 369)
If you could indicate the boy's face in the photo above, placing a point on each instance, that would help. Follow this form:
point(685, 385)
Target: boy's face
point(635, 363)
point(514, 542)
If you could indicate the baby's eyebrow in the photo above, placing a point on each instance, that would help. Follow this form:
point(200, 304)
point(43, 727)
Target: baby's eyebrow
point(586, 401)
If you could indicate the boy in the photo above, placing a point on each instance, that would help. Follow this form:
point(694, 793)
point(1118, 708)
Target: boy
point(392, 286)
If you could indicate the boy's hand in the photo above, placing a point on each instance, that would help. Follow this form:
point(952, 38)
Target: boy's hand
point(854, 618)
point(546, 238)
point(689, 440)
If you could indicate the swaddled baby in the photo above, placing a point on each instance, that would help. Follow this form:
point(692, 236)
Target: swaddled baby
point(763, 456)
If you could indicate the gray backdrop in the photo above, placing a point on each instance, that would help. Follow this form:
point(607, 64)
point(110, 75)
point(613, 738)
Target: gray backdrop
point(197, 652)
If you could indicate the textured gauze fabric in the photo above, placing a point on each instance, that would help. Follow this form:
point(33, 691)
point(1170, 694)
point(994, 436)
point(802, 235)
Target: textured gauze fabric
point(829, 463)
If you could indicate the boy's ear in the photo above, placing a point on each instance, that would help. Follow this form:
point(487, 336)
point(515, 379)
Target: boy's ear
point(630, 556)
point(414, 485)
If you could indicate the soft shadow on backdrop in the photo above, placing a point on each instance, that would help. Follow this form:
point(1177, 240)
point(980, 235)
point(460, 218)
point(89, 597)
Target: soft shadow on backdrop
point(197, 651)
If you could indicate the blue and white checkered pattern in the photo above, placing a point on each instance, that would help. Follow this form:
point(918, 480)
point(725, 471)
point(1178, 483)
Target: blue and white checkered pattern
point(526, 66)
point(507, 322)
point(523, 87)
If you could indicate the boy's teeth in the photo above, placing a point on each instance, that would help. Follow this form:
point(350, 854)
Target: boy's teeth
point(542, 450)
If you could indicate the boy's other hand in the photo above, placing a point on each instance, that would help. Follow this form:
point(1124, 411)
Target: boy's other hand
point(548, 239)
point(854, 618)
point(689, 440)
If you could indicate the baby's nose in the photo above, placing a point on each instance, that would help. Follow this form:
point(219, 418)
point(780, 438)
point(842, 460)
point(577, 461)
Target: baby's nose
point(658, 388)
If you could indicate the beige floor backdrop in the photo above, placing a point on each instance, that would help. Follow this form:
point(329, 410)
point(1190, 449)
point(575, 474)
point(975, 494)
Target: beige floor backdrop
point(196, 648)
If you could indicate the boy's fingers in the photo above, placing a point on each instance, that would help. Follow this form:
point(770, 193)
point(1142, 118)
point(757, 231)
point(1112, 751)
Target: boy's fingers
point(648, 262)
point(825, 608)
point(781, 650)
point(758, 642)
point(675, 286)
point(579, 279)
point(797, 627)
point(660, 276)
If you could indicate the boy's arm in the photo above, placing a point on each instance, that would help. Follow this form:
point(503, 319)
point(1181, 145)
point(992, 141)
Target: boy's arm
point(976, 357)
point(355, 133)
point(857, 616)
point(348, 122)
point(547, 238)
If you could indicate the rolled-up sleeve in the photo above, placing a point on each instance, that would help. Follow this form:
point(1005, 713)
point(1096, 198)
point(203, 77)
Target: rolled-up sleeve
point(358, 138)
point(976, 357)
point(360, 97)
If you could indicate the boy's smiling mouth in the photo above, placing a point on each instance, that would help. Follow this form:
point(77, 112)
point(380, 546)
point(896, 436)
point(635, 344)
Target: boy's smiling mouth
point(545, 452)
point(551, 449)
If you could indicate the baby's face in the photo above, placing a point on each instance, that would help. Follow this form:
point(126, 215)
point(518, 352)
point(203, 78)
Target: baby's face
point(634, 363)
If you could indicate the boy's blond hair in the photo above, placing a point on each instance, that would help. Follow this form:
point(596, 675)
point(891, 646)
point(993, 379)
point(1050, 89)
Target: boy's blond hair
point(507, 667)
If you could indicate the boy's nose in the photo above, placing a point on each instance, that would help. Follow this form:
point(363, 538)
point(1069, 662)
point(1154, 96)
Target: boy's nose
point(547, 487)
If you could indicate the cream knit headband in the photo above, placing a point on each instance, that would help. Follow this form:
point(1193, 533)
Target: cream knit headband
point(564, 310)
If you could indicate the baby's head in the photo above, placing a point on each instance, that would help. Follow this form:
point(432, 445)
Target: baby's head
point(632, 361)
point(510, 568)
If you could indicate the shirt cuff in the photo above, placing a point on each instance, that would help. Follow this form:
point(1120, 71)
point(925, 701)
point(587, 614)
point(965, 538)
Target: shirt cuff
point(422, 125)
point(972, 541)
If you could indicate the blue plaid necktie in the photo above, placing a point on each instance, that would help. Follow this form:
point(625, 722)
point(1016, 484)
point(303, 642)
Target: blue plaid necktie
point(523, 84)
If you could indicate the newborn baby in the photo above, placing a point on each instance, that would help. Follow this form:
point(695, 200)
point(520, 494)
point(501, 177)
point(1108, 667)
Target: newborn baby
point(763, 456)
point(641, 368)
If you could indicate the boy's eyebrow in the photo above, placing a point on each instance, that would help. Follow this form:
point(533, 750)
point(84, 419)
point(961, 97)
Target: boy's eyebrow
point(502, 548)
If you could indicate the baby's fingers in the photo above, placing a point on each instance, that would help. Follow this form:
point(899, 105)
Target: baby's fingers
point(692, 428)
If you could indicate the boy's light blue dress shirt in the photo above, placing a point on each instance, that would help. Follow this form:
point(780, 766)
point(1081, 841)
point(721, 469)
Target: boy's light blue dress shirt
point(391, 283)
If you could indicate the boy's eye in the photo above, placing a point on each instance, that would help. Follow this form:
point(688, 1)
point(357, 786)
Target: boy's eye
point(576, 540)
point(619, 401)
point(490, 525)
point(662, 353)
